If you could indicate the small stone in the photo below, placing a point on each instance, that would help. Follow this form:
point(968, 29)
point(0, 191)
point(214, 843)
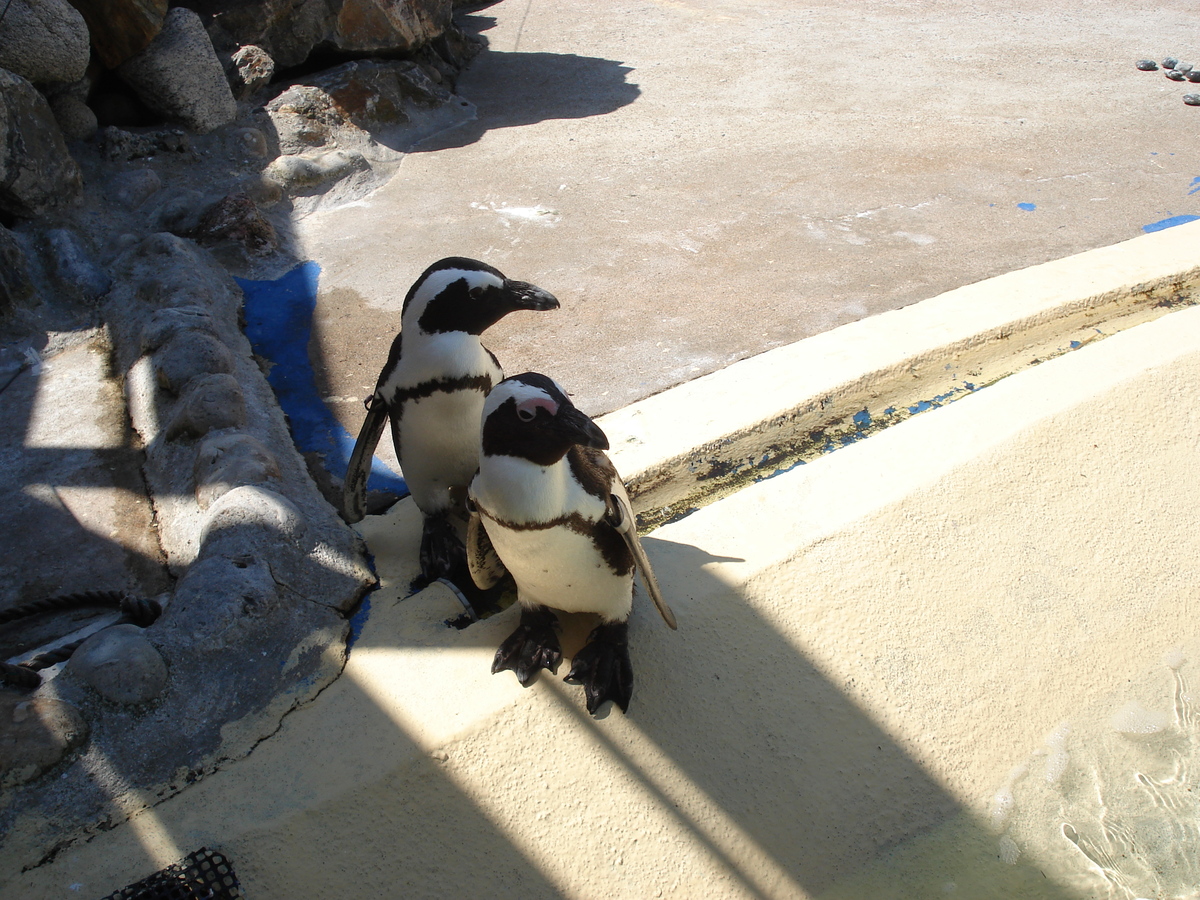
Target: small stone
point(1147, 65)
point(257, 508)
point(75, 118)
point(208, 403)
point(166, 323)
point(1183, 67)
point(253, 68)
point(132, 189)
point(1176, 75)
point(219, 598)
point(35, 733)
point(236, 218)
point(120, 664)
point(188, 355)
point(1191, 99)
point(1170, 62)
point(229, 460)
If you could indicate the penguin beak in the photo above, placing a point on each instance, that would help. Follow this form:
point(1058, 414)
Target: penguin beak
point(529, 296)
point(577, 428)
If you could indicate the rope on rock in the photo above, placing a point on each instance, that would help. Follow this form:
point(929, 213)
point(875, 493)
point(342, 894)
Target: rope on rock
point(134, 610)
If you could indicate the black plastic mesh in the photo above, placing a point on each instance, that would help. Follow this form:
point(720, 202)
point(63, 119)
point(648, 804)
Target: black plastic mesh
point(203, 875)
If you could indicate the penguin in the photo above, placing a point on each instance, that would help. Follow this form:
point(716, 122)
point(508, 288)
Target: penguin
point(548, 508)
point(432, 390)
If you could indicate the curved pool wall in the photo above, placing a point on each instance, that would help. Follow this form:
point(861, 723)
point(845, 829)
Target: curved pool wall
point(952, 658)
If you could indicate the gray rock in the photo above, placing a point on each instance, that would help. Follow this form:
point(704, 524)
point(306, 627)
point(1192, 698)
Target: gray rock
point(187, 355)
point(75, 118)
point(132, 189)
point(220, 600)
point(45, 41)
point(228, 460)
point(35, 733)
point(236, 218)
point(16, 283)
point(119, 145)
point(121, 28)
point(166, 323)
point(289, 30)
point(120, 664)
point(71, 267)
point(296, 173)
point(249, 141)
point(36, 171)
point(178, 75)
point(180, 212)
point(254, 508)
point(253, 68)
point(208, 404)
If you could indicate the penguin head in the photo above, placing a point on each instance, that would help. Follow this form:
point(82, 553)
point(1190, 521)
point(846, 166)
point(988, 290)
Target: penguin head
point(530, 416)
point(460, 294)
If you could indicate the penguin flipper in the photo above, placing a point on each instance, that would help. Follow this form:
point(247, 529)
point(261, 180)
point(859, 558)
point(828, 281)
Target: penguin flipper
point(482, 560)
point(354, 487)
point(620, 516)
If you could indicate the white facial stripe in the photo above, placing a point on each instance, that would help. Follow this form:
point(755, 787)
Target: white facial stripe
point(526, 395)
point(438, 282)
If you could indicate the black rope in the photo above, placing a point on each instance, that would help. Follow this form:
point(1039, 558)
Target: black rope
point(134, 610)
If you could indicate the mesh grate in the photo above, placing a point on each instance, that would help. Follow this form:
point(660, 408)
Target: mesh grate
point(203, 875)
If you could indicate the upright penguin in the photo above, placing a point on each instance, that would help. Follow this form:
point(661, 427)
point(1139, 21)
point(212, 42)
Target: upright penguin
point(432, 389)
point(548, 506)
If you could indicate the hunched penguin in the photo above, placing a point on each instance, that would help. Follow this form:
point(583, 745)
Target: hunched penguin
point(548, 507)
point(432, 389)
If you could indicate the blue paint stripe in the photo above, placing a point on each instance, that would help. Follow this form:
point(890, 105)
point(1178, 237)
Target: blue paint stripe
point(279, 317)
point(1163, 224)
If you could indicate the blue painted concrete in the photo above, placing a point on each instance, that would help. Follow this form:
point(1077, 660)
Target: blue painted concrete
point(279, 327)
point(1163, 224)
point(1028, 207)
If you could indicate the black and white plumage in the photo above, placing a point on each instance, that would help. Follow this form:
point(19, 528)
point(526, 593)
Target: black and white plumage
point(548, 507)
point(432, 389)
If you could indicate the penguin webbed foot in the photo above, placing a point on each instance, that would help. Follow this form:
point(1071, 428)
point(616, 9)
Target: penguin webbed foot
point(603, 667)
point(532, 647)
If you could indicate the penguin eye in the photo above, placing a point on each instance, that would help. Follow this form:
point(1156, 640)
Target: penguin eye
point(477, 291)
point(525, 415)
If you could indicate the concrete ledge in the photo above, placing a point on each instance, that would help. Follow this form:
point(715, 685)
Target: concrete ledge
point(686, 446)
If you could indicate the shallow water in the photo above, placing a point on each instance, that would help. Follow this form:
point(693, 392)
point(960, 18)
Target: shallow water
point(1107, 808)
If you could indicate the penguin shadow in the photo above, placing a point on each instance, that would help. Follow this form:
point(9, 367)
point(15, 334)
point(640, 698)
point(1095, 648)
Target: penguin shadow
point(514, 88)
point(808, 777)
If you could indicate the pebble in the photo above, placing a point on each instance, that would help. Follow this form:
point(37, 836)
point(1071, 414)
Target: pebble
point(35, 733)
point(1176, 75)
point(1147, 65)
point(120, 664)
point(1191, 99)
point(208, 403)
point(1194, 75)
point(1170, 62)
point(1183, 67)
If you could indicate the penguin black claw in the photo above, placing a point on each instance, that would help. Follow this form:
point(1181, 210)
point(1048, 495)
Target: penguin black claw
point(603, 667)
point(532, 647)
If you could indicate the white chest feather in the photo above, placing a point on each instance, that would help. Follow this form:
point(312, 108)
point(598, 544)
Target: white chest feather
point(517, 490)
point(435, 357)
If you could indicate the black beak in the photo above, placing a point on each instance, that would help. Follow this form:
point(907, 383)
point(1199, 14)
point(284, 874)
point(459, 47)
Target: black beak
point(579, 429)
point(530, 296)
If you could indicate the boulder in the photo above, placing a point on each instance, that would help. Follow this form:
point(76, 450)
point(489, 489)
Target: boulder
point(179, 76)
point(36, 171)
point(289, 31)
point(45, 41)
point(121, 28)
point(16, 283)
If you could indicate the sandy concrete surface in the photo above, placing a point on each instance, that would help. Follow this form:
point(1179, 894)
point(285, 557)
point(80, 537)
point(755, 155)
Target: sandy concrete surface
point(893, 669)
point(703, 180)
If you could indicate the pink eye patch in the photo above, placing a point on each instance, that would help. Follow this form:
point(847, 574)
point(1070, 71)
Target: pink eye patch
point(528, 408)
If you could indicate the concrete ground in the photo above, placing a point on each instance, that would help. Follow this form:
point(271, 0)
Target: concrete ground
point(700, 182)
point(952, 658)
point(703, 180)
